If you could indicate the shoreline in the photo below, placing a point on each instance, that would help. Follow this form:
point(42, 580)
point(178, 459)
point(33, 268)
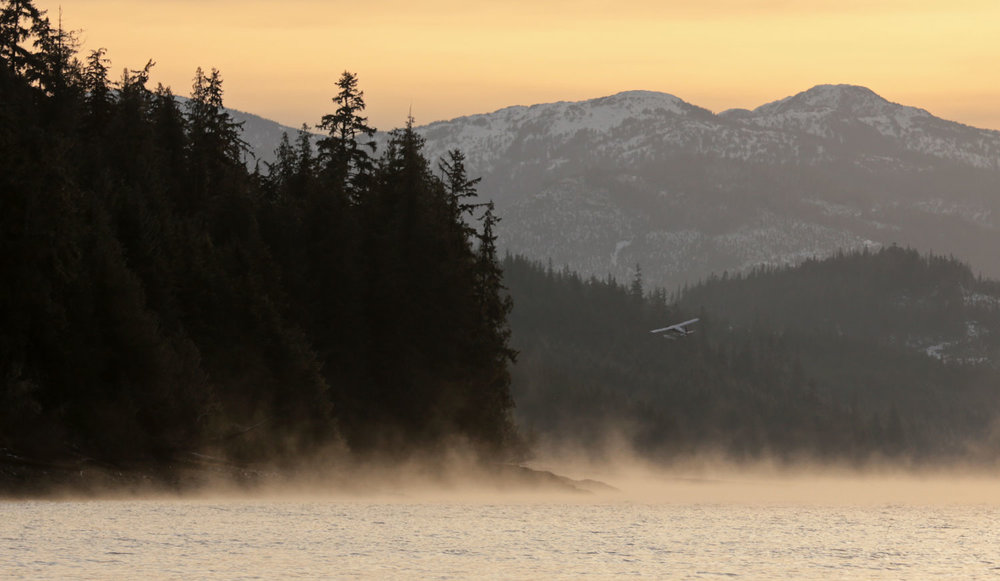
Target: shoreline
point(29, 479)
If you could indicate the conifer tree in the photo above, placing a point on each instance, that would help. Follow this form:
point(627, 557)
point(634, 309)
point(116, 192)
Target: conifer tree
point(281, 171)
point(346, 152)
point(20, 20)
point(97, 88)
point(305, 165)
point(460, 188)
point(131, 136)
point(212, 129)
point(169, 129)
point(494, 423)
point(635, 289)
point(57, 72)
point(490, 276)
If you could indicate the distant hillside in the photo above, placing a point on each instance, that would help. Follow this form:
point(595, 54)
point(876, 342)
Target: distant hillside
point(860, 356)
point(894, 297)
point(644, 177)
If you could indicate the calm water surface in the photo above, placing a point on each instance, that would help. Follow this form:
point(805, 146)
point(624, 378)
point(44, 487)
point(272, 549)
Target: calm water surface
point(334, 539)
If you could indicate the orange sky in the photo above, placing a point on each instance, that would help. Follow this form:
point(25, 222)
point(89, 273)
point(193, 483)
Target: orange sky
point(447, 58)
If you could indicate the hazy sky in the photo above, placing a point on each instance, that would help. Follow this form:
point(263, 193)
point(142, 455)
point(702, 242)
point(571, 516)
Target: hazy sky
point(447, 58)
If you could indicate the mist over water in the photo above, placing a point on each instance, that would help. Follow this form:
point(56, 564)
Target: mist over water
point(700, 520)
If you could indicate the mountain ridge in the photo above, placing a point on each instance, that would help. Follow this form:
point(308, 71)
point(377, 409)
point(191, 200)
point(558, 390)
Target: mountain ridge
point(645, 177)
point(820, 100)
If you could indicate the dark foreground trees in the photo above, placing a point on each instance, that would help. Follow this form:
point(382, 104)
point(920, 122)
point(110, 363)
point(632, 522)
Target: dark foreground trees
point(157, 298)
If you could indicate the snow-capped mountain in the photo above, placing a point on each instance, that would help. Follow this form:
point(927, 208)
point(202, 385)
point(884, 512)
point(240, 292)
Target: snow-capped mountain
point(644, 177)
point(829, 111)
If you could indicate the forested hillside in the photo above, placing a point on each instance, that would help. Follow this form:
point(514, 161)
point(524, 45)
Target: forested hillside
point(825, 361)
point(895, 297)
point(157, 298)
point(891, 331)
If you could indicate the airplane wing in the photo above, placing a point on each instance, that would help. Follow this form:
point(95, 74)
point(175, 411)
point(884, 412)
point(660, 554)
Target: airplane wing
point(670, 328)
point(680, 328)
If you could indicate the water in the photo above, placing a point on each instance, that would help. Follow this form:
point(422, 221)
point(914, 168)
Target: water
point(516, 539)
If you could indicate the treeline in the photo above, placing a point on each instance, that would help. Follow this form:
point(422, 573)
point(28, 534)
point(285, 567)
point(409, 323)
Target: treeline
point(747, 384)
point(158, 298)
point(888, 331)
point(893, 295)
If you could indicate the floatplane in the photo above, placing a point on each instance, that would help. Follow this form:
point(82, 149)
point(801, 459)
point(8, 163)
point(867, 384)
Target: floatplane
point(676, 331)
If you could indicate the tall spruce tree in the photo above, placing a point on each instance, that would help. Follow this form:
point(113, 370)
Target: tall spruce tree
point(346, 152)
point(210, 125)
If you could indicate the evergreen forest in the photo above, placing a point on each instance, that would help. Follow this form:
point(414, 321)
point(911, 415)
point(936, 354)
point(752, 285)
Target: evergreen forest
point(861, 357)
point(164, 297)
point(158, 298)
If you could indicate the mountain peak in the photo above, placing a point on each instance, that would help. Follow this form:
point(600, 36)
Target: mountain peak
point(641, 95)
point(841, 95)
point(825, 110)
point(637, 102)
point(852, 100)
